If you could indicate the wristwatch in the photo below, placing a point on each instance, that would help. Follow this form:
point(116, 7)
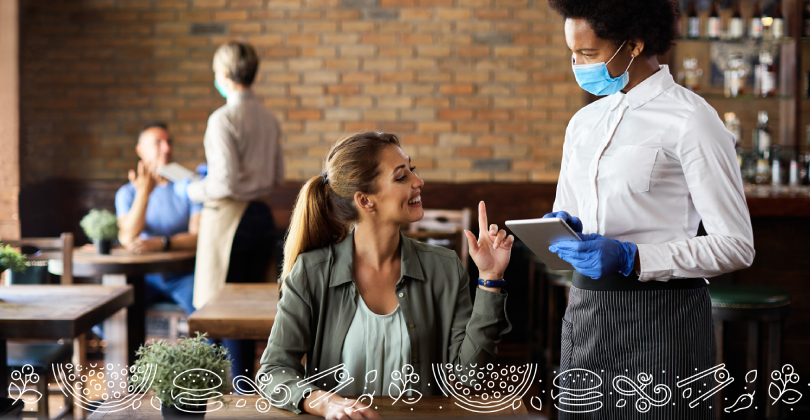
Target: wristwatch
point(492, 283)
point(166, 243)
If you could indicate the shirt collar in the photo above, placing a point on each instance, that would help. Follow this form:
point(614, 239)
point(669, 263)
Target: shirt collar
point(238, 96)
point(647, 90)
point(343, 256)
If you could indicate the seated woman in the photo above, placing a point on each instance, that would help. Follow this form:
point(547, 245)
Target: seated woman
point(358, 293)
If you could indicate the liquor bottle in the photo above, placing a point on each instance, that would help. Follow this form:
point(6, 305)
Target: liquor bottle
point(804, 159)
point(762, 149)
point(733, 125)
point(806, 20)
point(776, 166)
point(692, 22)
point(755, 30)
point(778, 25)
point(765, 75)
point(736, 27)
point(714, 23)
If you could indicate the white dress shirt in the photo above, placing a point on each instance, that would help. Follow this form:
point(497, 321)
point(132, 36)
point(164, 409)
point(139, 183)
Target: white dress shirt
point(646, 167)
point(243, 150)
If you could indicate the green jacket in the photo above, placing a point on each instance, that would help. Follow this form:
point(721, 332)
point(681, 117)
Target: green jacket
point(320, 299)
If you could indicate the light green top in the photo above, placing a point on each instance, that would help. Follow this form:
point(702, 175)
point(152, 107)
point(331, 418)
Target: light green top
point(374, 343)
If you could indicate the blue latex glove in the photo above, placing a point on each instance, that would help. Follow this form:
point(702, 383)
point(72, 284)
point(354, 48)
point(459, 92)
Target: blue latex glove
point(597, 255)
point(181, 188)
point(572, 221)
point(202, 169)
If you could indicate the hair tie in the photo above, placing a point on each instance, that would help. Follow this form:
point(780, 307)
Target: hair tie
point(323, 176)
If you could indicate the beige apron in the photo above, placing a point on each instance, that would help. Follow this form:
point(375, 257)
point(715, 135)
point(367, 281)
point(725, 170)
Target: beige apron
point(218, 222)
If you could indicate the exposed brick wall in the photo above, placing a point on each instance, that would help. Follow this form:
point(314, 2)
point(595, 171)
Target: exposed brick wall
point(479, 90)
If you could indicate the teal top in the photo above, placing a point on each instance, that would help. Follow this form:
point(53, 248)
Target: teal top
point(374, 343)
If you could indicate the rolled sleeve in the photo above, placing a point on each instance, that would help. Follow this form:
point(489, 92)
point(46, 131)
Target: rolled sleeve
point(477, 329)
point(223, 161)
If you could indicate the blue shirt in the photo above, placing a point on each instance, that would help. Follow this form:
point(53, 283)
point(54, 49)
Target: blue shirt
point(166, 213)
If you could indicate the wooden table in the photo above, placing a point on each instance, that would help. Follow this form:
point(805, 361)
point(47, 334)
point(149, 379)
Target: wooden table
point(124, 267)
point(53, 312)
point(240, 311)
point(427, 407)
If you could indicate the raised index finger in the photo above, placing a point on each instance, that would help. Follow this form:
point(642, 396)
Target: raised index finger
point(483, 226)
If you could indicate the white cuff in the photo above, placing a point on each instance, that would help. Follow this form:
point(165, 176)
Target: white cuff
point(655, 261)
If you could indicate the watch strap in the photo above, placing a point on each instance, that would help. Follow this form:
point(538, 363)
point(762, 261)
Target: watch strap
point(492, 283)
point(166, 243)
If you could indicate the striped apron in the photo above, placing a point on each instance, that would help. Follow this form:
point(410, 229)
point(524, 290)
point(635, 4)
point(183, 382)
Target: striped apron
point(651, 334)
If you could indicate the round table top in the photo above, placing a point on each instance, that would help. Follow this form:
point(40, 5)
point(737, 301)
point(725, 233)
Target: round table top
point(89, 263)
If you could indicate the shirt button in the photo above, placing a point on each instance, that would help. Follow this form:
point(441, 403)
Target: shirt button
point(411, 326)
point(401, 294)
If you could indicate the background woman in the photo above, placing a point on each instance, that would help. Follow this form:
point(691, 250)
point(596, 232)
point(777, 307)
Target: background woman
point(641, 168)
point(245, 162)
point(359, 293)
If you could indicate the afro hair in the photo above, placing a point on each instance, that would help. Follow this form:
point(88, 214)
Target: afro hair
point(653, 21)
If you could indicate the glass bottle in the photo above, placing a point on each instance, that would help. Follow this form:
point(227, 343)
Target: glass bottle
point(691, 74)
point(734, 76)
point(765, 75)
point(804, 159)
point(806, 20)
point(692, 22)
point(755, 29)
point(778, 25)
point(713, 24)
point(736, 27)
point(733, 125)
point(762, 149)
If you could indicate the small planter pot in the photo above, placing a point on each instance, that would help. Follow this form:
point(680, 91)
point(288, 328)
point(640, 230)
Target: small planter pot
point(103, 246)
point(173, 412)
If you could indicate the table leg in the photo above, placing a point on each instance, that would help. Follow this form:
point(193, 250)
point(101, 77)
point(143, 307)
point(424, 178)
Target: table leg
point(115, 333)
point(136, 317)
point(3, 369)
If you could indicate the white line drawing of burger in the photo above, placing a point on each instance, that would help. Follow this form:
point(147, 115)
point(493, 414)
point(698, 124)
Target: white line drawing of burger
point(578, 392)
point(197, 398)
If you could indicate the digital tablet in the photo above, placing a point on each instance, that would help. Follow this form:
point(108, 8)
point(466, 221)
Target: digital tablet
point(175, 172)
point(539, 234)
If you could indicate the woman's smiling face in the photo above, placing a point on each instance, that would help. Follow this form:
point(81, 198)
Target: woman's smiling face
point(399, 190)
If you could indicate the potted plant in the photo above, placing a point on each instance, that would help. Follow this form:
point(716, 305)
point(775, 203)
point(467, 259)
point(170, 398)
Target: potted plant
point(101, 227)
point(11, 259)
point(190, 377)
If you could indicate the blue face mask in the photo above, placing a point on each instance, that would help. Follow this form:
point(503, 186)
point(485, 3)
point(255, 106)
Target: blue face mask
point(221, 89)
point(595, 78)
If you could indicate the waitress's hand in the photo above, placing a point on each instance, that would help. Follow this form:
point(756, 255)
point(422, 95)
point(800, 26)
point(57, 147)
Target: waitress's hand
point(597, 255)
point(492, 250)
point(572, 221)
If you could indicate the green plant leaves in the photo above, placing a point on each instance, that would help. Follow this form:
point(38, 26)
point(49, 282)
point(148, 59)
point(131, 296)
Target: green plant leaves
point(100, 224)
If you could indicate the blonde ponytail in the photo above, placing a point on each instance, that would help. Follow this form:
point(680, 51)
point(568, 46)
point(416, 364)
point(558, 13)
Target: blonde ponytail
point(324, 211)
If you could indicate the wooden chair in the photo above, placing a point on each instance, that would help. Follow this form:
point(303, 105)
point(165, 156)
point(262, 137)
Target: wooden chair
point(40, 355)
point(49, 248)
point(444, 228)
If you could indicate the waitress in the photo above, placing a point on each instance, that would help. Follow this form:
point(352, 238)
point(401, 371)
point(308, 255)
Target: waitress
point(641, 168)
point(245, 162)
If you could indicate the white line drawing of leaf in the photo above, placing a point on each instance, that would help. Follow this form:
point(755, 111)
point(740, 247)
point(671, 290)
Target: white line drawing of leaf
point(516, 403)
point(775, 392)
point(30, 398)
point(751, 376)
point(372, 375)
point(412, 399)
point(536, 403)
point(791, 396)
point(241, 403)
point(687, 393)
point(398, 393)
point(621, 403)
point(18, 391)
